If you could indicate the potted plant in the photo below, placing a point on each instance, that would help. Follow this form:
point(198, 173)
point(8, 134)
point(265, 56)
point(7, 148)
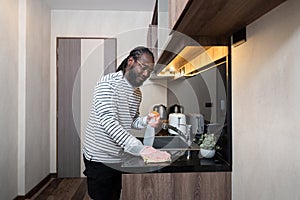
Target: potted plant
point(208, 145)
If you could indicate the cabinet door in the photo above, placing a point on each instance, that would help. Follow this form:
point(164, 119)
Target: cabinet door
point(175, 9)
point(202, 186)
point(152, 39)
point(187, 186)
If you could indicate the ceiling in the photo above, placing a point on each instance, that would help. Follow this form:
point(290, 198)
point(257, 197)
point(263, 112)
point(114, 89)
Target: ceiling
point(121, 5)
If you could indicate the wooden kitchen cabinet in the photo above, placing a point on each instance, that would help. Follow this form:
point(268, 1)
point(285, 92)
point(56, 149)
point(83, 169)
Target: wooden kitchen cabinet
point(152, 39)
point(165, 15)
point(177, 186)
point(175, 9)
point(152, 35)
point(210, 23)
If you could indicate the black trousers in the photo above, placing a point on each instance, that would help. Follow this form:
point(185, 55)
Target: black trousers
point(103, 182)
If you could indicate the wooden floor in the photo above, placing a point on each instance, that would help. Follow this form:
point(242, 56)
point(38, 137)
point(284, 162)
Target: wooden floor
point(64, 189)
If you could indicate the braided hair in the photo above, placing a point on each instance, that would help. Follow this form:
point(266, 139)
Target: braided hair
point(135, 54)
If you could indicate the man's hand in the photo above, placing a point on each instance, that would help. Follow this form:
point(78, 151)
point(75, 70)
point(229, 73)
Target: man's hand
point(151, 155)
point(153, 119)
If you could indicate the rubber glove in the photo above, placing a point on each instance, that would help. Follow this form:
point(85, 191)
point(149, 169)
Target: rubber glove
point(134, 147)
point(153, 119)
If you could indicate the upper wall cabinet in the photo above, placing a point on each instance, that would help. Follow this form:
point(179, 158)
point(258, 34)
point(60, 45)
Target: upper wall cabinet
point(163, 30)
point(176, 7)
point(221, 17)
point(152, 40)
point(208, 23)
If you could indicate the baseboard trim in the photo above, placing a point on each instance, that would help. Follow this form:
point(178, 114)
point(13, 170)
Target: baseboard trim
point(37, 187)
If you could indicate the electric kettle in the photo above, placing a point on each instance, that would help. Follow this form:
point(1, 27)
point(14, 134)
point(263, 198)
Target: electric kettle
point(176, 109)
point(162, 110)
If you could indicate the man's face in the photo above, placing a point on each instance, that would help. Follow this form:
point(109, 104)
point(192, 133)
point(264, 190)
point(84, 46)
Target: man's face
point(139, 71)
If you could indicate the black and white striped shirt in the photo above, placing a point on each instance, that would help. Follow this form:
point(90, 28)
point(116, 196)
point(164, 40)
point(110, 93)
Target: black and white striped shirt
point(115, 110)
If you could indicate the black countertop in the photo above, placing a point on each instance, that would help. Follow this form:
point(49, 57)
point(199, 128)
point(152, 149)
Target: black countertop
point(179, 163)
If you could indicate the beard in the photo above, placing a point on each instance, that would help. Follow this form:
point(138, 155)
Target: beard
point(134, 79)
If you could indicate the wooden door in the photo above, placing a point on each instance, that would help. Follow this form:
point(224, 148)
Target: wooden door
point(68, 139)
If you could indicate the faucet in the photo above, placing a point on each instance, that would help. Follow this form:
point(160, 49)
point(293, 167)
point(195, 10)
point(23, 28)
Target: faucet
point(187, 136)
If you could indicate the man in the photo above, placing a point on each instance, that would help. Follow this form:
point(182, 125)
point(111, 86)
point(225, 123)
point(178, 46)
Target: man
point(115, 110)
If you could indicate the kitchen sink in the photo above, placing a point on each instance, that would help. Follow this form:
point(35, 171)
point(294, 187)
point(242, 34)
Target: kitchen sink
point(172, 143)
point(169, 142)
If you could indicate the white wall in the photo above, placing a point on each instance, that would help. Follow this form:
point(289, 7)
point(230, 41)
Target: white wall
point(37, 139)
point(25, 103)
point(8, 99)
point(130, 29)
point(266, 117)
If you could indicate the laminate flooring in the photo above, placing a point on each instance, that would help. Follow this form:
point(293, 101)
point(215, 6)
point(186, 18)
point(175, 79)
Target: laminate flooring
point(63, 189)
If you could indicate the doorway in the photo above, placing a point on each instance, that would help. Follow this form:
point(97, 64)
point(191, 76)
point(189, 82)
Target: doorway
point(80, 63)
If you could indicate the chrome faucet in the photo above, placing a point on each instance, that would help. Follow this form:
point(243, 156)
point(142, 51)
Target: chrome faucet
point(187, 136)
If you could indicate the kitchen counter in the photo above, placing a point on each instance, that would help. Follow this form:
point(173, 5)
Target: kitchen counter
point(191, 179)
point(179, 163)
point(181, 178)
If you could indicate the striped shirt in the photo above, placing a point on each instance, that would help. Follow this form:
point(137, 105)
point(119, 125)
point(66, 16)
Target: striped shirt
point(115, 110)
